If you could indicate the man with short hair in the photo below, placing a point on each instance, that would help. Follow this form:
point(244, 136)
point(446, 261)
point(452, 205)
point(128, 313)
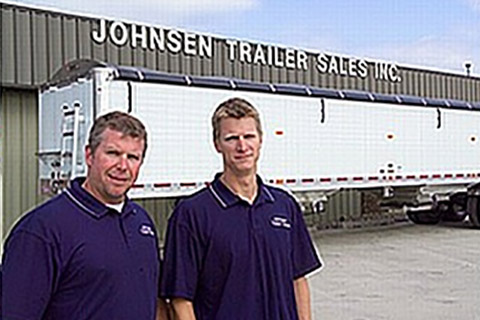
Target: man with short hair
point(90, 252)
point(238, 249)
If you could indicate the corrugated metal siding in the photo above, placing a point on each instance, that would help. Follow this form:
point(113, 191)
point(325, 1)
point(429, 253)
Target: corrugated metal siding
point(20, 143)
point(36, 43)
point(344, 208)
point(159, 210)
point(8, 58)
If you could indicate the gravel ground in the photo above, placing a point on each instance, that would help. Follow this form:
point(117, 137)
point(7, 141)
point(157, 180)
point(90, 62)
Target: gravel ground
point(399, 272)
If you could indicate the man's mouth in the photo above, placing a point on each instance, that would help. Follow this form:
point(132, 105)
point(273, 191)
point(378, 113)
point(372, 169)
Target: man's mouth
point(118, 179)
point(243, 156)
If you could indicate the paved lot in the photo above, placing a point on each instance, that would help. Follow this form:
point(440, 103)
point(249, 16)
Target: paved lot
point(403, 272)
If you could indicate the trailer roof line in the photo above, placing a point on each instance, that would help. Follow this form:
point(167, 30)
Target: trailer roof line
point(75, 70)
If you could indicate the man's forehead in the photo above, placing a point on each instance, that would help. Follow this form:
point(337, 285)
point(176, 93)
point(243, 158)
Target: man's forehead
point(117, 138)
point(118, 135)
point(239, 133)
point(235, 123)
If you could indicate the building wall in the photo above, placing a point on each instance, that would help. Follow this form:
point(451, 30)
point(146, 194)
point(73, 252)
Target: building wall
point(19, 132)
point(36, 43)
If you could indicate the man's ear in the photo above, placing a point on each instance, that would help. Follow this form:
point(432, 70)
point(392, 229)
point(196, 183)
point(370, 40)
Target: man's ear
point(88, 156)
point(215, 143)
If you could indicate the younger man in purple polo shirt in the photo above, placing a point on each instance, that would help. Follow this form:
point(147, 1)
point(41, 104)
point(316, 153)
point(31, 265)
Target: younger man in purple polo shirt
point(90, 252)
point(238, 249)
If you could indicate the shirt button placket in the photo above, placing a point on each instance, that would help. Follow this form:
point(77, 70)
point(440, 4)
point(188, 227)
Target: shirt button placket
point(127, 233)
point(255, 223)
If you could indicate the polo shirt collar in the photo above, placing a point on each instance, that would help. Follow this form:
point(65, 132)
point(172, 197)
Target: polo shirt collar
point(89, 203)
point(227, 198)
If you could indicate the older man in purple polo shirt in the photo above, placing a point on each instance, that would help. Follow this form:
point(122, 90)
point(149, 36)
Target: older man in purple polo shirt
point(238, 249)
point(90, 252)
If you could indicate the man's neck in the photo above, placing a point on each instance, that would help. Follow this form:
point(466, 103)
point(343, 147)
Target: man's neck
point(245, 187)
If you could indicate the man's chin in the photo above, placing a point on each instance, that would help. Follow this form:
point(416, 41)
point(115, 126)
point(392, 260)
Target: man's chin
point(119, 193)
point(244, 170)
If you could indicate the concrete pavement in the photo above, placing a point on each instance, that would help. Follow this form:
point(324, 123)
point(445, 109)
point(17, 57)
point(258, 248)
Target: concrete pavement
point(401, 272)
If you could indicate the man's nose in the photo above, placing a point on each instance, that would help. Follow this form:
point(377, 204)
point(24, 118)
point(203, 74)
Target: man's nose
point(241, 144)
point(122, 162)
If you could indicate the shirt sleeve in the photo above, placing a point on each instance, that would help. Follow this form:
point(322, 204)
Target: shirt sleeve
point(28, 276)
point(182, 257)
point(305, 258)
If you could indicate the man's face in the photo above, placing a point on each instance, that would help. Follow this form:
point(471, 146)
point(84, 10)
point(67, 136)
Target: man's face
point(114, 166)
point(239, 143)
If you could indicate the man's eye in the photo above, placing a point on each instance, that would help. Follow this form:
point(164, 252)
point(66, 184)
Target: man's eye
point(231, 138)
point(133, 157)
point(112, 152)
point(249, 136)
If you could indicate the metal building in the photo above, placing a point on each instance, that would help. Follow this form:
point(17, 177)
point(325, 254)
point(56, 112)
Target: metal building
point(35, 43)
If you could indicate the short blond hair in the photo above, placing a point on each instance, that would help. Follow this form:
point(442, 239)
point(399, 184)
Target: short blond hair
point(237, 108)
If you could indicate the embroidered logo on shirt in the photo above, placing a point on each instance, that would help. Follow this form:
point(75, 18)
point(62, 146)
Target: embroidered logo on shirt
point(280, 222)
point(146, 230)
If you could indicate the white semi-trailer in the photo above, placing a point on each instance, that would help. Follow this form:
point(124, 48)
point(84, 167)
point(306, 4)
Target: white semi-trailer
point(424, 153)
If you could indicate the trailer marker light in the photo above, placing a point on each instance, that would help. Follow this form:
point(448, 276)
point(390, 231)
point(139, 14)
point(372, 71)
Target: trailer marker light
point(449, 175)
point(308, 180)
point(424, 176)
point(411, 177)
point(325, 179)
point(279, 181)
point(436, 176)
point(291, 180)
point(357, 178)
point(372, 178)
point(279, 132)
point(187, 184)
point(342, 179)
point(138, 186)
point(162, 185)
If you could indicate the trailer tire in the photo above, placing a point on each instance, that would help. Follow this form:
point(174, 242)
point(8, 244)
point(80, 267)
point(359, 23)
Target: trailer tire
point(455, 213)
point(473, 208)
point(428, 217)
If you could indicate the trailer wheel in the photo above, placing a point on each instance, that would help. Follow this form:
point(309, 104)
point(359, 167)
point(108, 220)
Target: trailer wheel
point(473, 208)
point(456, 212)
point(424, 216)
point(473, 204)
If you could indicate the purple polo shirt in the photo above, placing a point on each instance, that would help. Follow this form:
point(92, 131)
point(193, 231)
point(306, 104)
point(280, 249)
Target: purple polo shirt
point(235, 260)
point(74, 258)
